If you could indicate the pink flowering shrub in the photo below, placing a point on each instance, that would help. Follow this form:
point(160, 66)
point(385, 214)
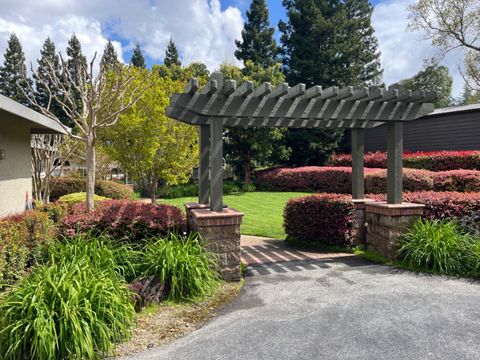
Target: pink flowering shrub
point(457, 180)
point(124, 218)
point(322, 219)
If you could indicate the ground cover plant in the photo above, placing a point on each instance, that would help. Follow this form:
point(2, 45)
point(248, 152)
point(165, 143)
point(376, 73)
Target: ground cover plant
point(75, 198)
point(263, 210)
point(441, 247)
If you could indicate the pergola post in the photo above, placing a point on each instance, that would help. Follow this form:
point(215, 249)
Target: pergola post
point(204, 166)
point(394, 162)
point(358, 151)
point(216, 165)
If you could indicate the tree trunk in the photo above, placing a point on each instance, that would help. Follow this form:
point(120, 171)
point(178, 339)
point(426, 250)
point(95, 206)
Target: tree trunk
point(247, 169)
point(153, 192)
point(90, 145)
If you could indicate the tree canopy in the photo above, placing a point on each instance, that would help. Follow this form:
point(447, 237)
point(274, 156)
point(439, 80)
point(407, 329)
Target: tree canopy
point(258, 44)
point(171, 55)
point(110, 56)
point(137, 59)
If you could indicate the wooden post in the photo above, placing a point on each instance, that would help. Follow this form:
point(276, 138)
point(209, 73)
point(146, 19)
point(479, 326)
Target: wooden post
point(216, 165)
point(358, 151)
point(394, 162)
point(203, 170)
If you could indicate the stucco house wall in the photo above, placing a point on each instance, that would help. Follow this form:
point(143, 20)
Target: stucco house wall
point(15, 168)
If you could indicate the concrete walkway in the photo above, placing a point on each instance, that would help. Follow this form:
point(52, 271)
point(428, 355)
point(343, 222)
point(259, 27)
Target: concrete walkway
point(339, 308)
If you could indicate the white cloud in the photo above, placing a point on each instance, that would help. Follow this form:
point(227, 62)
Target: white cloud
point(201, 30)
point(403, 51)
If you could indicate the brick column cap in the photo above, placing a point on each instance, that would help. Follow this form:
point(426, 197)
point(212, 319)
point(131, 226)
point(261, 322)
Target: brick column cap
point(403, 209)
point(205, 217)
point(360, 203)
point(193, 205)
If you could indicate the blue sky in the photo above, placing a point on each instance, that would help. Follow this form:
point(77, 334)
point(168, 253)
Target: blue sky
point(203, 30)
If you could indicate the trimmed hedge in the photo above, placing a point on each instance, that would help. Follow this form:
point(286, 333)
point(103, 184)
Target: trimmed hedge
point(23, 241)
point(309, 178)
point(110, 189)
point(457, 180)
point(413, 180)
point(441, 205)
point(123, 218)
point(323, 219)
point(433, 161)
point(75, 198)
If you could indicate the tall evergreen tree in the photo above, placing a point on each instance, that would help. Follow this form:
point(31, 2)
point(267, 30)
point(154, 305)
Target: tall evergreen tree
point(49, 61)
point(258, 44)
point(76, 65)
point(110, 57)
point(13, 73)
point(327, 43)
point(171, 55)
point(137, 59)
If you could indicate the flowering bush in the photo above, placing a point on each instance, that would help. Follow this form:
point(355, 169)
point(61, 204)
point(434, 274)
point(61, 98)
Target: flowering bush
point(413, 180)
point(124, 218)
point(433, 160)
point(23, 241)
point(323, 219)
point(308, 178)
point(441, 205)
point(457, 180)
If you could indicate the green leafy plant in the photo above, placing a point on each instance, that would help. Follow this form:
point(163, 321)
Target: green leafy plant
point(71, 308)
point(75, 198)
point(439, 246)
point(183, 265)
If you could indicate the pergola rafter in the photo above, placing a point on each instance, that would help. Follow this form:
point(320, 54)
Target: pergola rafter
point(221, 103)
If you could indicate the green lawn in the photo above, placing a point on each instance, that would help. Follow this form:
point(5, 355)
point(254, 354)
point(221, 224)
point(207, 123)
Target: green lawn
point(263, 210)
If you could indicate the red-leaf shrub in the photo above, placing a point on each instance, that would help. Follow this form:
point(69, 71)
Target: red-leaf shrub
point(309, 178)
point(124, 218)
point(110, 189)
point(433, 160)
point(323, 219)
point(440, 205)
point(413, 180)
point(457, 180)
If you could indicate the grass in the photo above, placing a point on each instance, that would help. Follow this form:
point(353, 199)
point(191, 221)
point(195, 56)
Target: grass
point(263, 210)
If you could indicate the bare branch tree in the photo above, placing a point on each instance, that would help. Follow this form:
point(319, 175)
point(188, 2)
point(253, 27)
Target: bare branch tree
point(92, 100)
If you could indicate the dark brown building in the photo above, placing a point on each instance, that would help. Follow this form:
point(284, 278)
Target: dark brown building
point(453, 128)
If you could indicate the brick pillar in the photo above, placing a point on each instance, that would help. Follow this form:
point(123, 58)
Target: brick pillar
point(221, 231)
point(387, 222)
point(360, 221)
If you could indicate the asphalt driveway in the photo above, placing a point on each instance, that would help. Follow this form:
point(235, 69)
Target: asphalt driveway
point(339, 308)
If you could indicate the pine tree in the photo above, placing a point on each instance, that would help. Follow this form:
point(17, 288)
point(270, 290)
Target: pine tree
point(327, 43)
point(110, 57)
point(76, 65)
point(13, 73)
point(171, 55)
point(137, 59)
point(49, 61)
point(258, 44)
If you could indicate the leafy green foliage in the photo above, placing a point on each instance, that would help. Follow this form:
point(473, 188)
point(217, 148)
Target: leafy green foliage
point(75, 198)
point(183, 190)
point(137, 59)
point(13, 74)
point(109, 57)
point(171, 55)
point(258, 44)
point(433, 77)
point(183, 265)
point(74, 307)
point(439, 246)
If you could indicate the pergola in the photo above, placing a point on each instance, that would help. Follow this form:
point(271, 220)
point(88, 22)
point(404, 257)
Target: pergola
point(220, 103)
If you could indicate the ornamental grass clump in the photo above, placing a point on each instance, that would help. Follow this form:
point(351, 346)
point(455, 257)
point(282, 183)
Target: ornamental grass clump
point(75, 307)
point(438, 246)
point(183, 265)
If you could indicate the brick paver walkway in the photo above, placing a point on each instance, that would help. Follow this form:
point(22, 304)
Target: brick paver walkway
point(260, 251)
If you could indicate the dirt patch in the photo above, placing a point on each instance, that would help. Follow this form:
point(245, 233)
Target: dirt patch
point(160, 324)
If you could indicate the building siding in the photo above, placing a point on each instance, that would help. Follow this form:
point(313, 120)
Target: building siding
point(15, 169)
point(452, 131)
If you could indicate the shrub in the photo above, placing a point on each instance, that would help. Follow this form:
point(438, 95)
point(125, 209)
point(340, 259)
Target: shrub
point(433, 161)
point(323, 219)
point(64, 310)
point(190, 190)
point(182, 265)
point(55, 211)
point(308, 178)
point(75, 198)
point(471, 223)
point(440, 205)
point(124, 218)
point(457, 180)
point(24, 239)
point(439, 246)
point(413, 180)
point(110, 189)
